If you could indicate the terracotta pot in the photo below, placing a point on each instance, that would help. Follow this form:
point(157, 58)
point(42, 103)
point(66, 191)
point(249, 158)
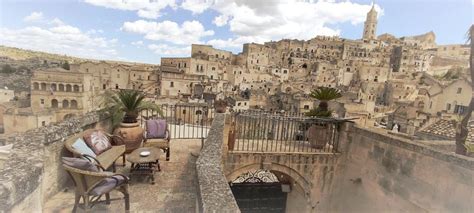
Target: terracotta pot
point(318, 135)
point(221, 109)
point(132, 135)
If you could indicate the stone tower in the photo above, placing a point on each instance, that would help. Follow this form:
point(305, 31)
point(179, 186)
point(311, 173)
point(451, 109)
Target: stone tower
point(370, 26)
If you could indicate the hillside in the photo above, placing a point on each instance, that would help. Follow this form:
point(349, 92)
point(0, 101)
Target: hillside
point(24, 54)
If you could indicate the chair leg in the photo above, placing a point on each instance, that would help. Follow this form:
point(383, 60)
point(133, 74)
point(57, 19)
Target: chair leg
point(123, 159)
point(127, 202)
point(168, 154)
point(86, 202)
point(77, 198)
point(107, 198)
point(113, 167)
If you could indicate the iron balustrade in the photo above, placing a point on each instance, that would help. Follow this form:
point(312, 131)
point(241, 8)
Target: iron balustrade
point(260, 131)
point(184, 121)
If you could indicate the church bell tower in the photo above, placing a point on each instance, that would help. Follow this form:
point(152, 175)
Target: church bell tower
point(370, 25)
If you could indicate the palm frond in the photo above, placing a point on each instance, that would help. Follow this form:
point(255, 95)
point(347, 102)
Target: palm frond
point(326, 93)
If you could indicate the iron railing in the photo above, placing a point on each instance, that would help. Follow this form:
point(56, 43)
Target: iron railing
point(259, 131)
point(184, 121)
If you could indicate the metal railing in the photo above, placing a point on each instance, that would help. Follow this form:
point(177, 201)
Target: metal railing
point(259, 131)
point(184, 121)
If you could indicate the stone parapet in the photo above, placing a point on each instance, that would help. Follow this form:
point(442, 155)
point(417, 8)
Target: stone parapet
point(214, 194)
point(26, 179)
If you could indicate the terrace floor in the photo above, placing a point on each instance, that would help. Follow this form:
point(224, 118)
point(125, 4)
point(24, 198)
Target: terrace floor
point(174, 191)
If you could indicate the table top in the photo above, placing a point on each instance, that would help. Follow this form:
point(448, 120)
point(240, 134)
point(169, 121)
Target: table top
point(135, 157)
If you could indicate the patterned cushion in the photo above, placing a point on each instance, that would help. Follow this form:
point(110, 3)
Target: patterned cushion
point(80, 163)
point(82, 147)
point(156, 128)
point(108, 184)
point(97, 141)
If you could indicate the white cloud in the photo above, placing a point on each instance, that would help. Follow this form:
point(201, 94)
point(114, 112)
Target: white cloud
point(137, 43)
point(220, 20)
point(60, 39)
point(145, 8)
point(34, 17)
point(196, 6)
point(187, 33)
point(166, 50)
point(276, 19)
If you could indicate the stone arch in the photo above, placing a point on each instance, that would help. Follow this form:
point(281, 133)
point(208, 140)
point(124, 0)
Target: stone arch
point(68, 88)
point(68, 116)
point(76, 88)
point(54, 87)
point(61, 87)
point(300, 180)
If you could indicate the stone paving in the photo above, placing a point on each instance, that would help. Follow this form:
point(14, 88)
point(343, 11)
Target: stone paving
point(174, 191)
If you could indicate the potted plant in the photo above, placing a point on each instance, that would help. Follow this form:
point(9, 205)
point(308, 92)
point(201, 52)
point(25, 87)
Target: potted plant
point(220, 106)
point(124, 107)
point(318, 134)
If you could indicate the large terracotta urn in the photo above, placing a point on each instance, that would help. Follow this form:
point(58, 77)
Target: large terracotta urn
point(318, 135)
point(132, 135)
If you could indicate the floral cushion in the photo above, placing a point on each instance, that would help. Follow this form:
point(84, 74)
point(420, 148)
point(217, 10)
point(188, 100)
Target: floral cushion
point(98, 142)
point(156, 128)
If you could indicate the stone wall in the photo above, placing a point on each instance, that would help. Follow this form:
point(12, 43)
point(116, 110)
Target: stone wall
point(214, 192)
point(32, 173)
point(378, 172)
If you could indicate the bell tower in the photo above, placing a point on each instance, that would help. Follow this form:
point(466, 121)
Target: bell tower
point(370, 25)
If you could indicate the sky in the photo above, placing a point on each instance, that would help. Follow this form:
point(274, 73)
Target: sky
point(146, 30)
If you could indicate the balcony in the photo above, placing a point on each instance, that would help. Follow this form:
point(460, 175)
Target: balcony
point(356, 170)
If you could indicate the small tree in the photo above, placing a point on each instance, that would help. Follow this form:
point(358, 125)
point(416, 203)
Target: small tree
point(65, 65)
point(323, 94)
point(461, 127)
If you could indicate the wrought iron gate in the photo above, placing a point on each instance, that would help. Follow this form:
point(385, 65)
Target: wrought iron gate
point(259, 197)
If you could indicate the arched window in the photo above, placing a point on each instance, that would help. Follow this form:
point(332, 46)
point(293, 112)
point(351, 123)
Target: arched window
point(43, 86)
point(54, 103)
point(74, 104)
point(68, 88)
point(54, 87)
point(76, 88)
point(198, 112)
point(36, 86)
point(61, 87)
point(65, 104)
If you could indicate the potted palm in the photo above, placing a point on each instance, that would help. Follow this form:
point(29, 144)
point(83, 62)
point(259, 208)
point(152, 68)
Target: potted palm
point(125, 106)
point(318, 133)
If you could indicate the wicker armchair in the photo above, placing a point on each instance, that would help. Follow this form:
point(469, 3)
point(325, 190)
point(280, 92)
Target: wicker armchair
point(161, 143)
point(106, 159)
point(85, 183)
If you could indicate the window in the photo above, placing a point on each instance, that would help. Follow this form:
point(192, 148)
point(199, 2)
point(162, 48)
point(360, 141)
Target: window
point(43, 123)
point(74, 104)
point(306, 107)
point(68, 88)
point(76, 88)
point(54, 103)
point(459, 90)
point(116, 86)
point(35, 86)
point(448, 107)
point(104, 86)
point(42, 101)
point(65, 104)
point(171, 84)
point(184, 111)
